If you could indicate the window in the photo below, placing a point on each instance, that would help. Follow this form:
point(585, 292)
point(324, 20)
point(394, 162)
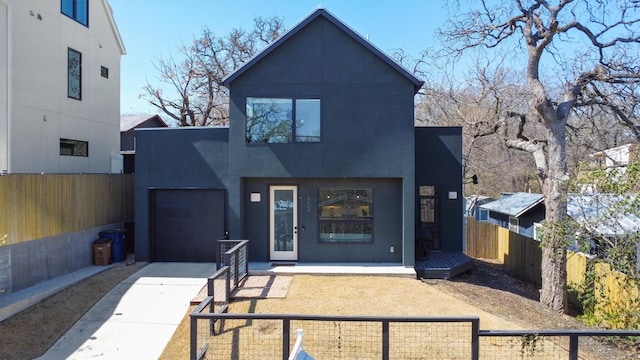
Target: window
point(428, 204)
point(514, 224)
point(345, 215)
point(484, 215)
point(74, 74)
point(78, 10)
point(104, 72)
point(537, 231)
point(70, 147)
point(271, 120)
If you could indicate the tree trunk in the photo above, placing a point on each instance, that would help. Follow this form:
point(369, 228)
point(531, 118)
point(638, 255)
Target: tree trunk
point(554, 244)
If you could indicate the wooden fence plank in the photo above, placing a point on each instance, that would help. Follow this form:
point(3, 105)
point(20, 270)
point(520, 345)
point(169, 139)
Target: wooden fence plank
point(34, 206)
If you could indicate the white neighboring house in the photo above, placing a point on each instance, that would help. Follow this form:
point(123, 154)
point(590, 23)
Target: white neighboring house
point(617, 156)
point(59, 87)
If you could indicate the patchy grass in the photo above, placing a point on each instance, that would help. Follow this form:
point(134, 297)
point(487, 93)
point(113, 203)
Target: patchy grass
point(33, 331)
point(350, 295)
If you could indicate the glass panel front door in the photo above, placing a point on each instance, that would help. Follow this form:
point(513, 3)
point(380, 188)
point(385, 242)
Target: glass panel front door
point(283, 223)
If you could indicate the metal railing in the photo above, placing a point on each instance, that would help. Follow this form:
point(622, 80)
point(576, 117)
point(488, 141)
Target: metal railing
point(235, 255)
point(220, 285)
point(271, 336)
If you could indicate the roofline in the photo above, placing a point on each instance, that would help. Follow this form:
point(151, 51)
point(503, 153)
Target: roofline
point(145, 120)
point(518, 214)
point(114, 26)
point(541, 200)
point(327, 15)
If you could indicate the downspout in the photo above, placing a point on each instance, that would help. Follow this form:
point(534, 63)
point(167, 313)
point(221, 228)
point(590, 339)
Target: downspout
point(9, 70)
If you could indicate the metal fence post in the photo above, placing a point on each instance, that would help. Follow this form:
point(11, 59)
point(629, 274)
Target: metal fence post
point(573, 346)
point(475, 339)
point(194, 338)
point(286, 330)
point(385, 340)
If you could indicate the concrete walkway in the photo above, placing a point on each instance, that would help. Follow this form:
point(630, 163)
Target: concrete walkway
point(137, 318)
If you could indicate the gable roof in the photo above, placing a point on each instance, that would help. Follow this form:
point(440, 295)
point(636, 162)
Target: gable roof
point(515, 204)
point(128, 122)
point(417, 83)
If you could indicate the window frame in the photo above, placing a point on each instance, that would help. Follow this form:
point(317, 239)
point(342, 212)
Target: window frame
point(365, 221)
point(79, 148)
point(104, 71)
point(291, 124)
point(428, 194)
point(514, 224)
point(75, 8)
point(71, 93)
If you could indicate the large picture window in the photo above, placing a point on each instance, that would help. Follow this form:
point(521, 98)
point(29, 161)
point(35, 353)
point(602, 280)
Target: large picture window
point(74, 74)
point(345, 215)
point(271, 120)
point(78, 10)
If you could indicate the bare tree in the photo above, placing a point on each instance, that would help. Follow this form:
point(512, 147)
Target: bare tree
point(590, 49)
point(195, 96)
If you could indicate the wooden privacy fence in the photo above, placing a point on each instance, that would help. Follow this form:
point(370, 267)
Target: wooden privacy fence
point(614, 292)
point(34, 206)
point(519, 253)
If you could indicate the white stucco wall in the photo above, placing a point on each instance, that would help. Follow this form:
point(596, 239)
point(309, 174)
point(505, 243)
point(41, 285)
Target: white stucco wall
point(41, 112)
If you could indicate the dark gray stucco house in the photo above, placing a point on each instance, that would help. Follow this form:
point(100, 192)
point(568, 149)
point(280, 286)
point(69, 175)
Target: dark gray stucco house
point(321, 162)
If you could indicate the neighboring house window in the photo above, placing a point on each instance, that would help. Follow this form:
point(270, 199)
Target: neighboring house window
point(74, 74)
point(104, 72)
point(78, 10)
point(345, 215)
point(71, 147)
point(273, 120)
point(428, 204)
point(537, 231)
point(514, 224)
point(484, 215)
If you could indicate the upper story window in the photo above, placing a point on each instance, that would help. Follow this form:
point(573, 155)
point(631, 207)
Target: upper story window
point(78, 10)
point(74, 74)
point(282, 120)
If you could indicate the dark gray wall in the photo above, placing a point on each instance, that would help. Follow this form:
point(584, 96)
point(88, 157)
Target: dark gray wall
point(176, 158)
point(366, 110)
point(439, 163)
point(387, 220)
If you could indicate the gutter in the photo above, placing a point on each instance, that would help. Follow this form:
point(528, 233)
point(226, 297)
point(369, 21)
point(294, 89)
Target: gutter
point(9, 71)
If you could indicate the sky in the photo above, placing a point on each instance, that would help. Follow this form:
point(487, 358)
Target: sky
point(154, 29)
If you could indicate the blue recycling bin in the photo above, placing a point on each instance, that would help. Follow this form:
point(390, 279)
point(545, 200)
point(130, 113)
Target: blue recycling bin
point(118, 243)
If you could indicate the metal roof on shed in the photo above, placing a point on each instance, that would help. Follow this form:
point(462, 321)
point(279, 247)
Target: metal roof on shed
point(515, 204)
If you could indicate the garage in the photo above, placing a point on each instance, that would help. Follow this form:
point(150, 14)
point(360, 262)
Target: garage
point(185, 224)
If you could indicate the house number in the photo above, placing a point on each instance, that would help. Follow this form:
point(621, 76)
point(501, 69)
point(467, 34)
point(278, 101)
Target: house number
point(308, 203)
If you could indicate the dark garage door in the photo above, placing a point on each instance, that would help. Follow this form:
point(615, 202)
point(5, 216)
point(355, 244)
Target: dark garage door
point(186, 223)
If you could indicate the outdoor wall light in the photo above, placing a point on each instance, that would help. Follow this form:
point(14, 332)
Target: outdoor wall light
point(453, 195)
point(255, 197)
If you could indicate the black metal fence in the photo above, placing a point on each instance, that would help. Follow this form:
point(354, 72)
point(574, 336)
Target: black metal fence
point(216, 334)
point(232, 262)
point(271, 336)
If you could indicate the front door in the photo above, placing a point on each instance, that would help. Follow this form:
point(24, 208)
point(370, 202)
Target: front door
point(283, 223)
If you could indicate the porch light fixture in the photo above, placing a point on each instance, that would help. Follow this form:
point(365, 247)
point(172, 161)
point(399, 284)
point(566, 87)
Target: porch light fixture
point(453, 195)
point(255, 197)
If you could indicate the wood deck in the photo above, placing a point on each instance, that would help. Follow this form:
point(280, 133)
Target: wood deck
point(442, 265)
